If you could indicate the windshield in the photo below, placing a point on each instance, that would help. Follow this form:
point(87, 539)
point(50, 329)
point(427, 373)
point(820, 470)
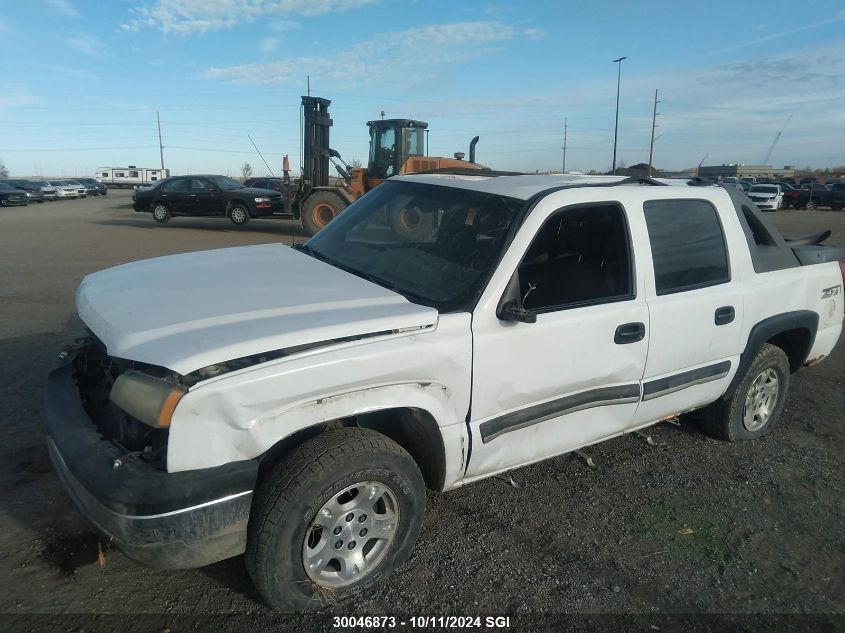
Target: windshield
point(435, 245)
point(5, 187)
point(223, 182)
point(764, 189)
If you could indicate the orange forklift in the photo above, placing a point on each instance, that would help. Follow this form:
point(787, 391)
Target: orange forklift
point(397, 146)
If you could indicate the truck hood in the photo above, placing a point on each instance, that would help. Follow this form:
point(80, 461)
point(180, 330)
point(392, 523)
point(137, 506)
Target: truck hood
point(185, 312)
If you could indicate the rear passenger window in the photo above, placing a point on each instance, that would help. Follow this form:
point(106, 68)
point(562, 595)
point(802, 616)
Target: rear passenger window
point(687, 245)
point(581, 256)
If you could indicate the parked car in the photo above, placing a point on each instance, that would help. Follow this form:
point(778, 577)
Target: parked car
point(813, 197)
point(790, 195)
point(81, 189)
point(295, 403)
point(49, 191)
point(93, 187)
point(65, 189)
point(766, 197)
point(274, 184)
point(33, 191)
point(12, 196)
point(206, 195)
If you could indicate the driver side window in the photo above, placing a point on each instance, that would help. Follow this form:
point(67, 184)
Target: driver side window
point(581, 256)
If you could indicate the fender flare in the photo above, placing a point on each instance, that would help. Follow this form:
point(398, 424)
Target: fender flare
point(771, 327)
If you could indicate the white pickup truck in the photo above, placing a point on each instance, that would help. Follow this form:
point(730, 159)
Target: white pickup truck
point(294, 403)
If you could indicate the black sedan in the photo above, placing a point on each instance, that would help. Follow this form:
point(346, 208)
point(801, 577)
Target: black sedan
point(206, 196)
point(12, 197)
point(93, 186)
point(31, 189)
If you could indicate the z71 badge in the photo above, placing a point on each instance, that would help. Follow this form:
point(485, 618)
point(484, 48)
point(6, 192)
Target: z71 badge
point(831, 292)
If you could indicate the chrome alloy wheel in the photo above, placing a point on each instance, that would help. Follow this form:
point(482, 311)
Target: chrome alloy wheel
point(761, 400)
point(238, 215)
point(160, 212)
point(351, 534)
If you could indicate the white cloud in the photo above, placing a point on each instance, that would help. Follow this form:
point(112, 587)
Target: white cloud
point(395, 53)
point(88, 45)
point(268, 44)
point(70, 72)
point(187, 17)
point(280, 26)
point(64, 7)
point(16, 96)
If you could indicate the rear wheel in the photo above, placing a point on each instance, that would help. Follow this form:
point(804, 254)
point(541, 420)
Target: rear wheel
point(239, 214)
point(161, 213)
point(756, 405)
point(321, 208)
point(336, 516)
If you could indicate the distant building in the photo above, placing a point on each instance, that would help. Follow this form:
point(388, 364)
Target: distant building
point(717, 172)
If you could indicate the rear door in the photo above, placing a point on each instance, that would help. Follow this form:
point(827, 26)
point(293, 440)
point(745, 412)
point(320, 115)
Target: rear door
point(572, 377)
point(175, 194)
point(695, 308)
point(205, 198)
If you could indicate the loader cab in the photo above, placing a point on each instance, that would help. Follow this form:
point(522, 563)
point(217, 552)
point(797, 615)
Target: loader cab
point(392, 142)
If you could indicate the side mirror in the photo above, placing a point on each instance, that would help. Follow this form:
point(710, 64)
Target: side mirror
point(510, 311)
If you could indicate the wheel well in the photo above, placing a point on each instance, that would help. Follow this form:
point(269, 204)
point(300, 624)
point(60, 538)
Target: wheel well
point(232, 203)
point(795, 344)
point(415, 430)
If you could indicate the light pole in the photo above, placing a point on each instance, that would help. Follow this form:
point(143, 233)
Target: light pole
point(616, 126)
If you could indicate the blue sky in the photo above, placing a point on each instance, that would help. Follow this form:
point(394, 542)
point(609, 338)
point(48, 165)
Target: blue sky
point(82, 80)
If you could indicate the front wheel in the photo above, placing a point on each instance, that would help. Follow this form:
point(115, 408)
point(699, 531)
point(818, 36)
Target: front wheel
point(757, 404)
point(239, 214)
point(811, 205)
point(319, 209)
point(336, 516)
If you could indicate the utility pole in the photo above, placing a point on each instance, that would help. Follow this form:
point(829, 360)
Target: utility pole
point(653, 125)
point(616, 125)
point(308, 80)
point(563, 165)
point(160, 146)
point(426, 141)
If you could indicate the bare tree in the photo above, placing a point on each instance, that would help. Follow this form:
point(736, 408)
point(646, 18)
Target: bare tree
point(246, 170)
point(4, 173)
point(355, 163)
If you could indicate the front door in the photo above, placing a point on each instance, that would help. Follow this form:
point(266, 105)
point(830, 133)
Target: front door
point(205, 198)
point(572, 377)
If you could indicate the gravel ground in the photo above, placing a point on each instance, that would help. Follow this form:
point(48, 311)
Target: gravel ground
point(692, 526)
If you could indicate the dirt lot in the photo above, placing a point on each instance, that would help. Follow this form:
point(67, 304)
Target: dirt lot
point(766, 517)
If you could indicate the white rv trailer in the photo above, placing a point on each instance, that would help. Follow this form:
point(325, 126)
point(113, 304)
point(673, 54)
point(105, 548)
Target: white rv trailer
point(130, 176)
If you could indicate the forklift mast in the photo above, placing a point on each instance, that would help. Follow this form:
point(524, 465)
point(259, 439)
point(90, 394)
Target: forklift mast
point(392, 142)
point(315, 141)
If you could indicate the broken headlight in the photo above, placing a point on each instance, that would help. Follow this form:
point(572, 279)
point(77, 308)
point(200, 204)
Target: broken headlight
point(147, 399)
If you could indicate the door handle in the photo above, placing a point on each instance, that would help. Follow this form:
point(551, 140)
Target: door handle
point(629, 333)
point(724, 315)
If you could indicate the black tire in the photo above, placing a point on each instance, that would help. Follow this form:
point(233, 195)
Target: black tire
point(413, 224)
point(160, 212)
point(726, 418)
point(239, 213)
point(289, 498)
point(811, 205)
point(319, 209)
point(836, 207)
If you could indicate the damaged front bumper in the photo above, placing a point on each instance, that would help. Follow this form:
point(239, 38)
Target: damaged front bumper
point(166, 520)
